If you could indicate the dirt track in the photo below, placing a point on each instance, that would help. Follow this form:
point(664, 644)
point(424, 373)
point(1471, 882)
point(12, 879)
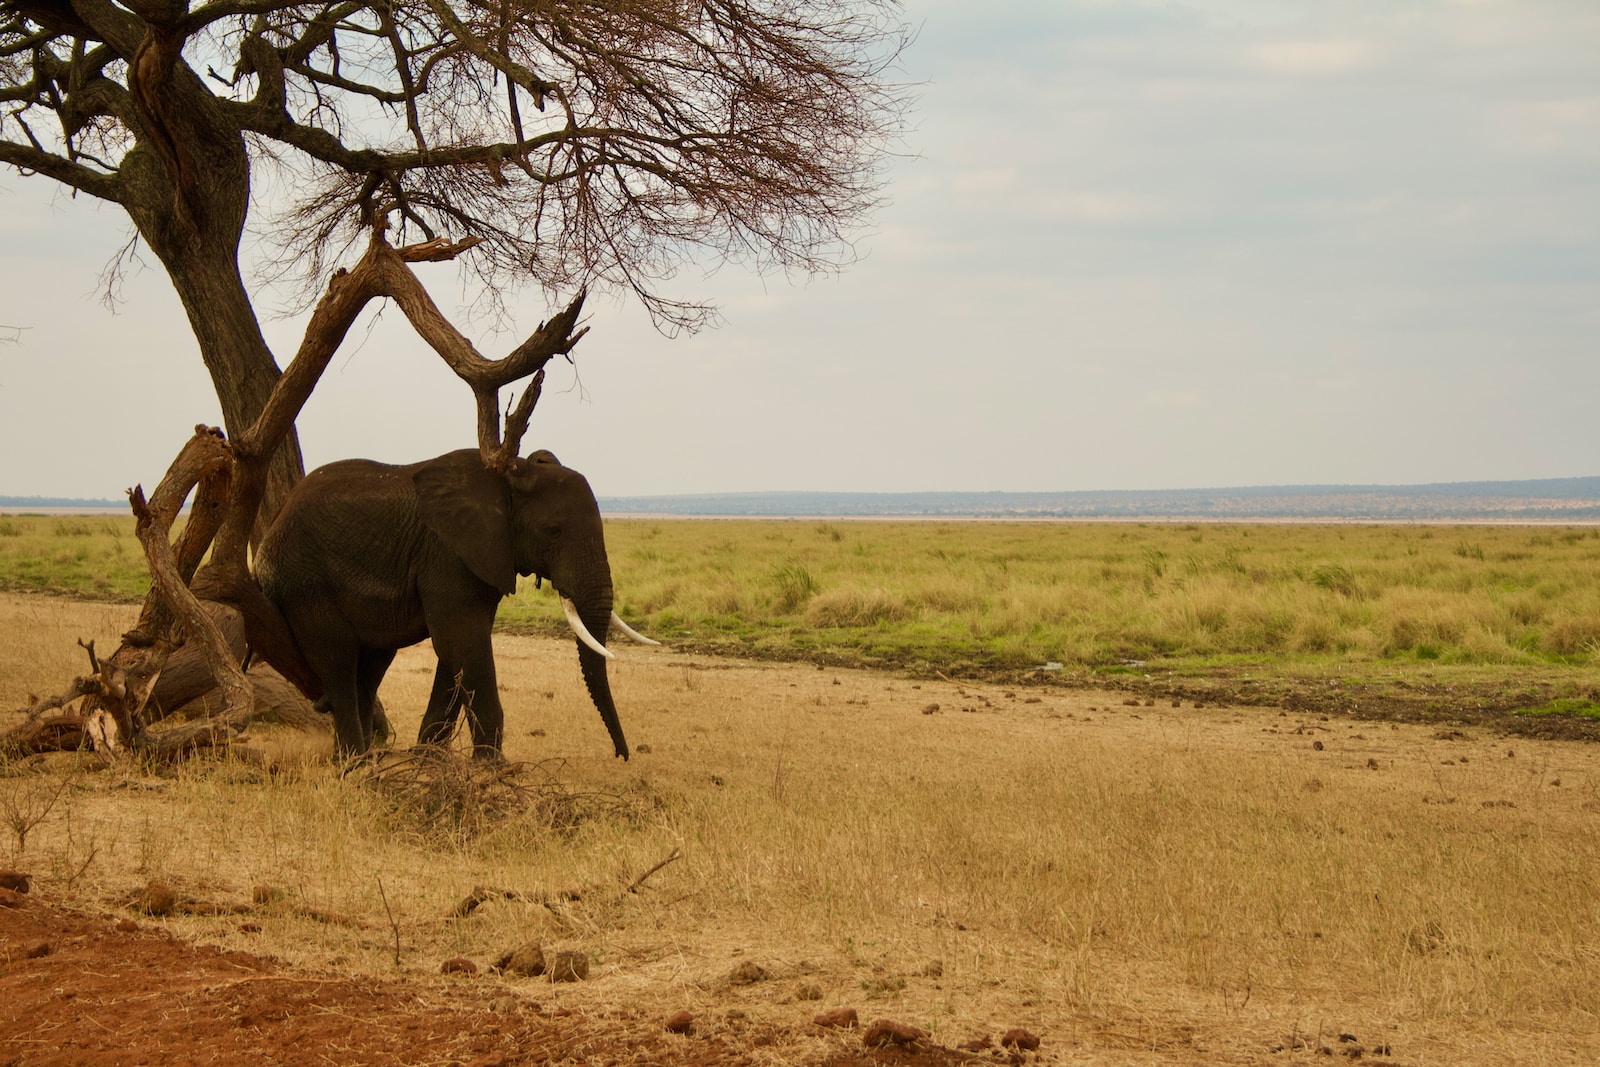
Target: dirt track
point(104, 991)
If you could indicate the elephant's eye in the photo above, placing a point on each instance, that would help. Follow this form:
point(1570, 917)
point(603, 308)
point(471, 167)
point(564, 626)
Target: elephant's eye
point(553, 532)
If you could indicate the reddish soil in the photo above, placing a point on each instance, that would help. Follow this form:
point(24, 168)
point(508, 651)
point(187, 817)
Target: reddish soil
point(86, 989)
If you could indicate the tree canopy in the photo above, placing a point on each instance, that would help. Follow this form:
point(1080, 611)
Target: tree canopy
point(582, 142)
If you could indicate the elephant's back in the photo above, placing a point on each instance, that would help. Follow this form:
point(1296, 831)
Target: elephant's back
point(344, 520)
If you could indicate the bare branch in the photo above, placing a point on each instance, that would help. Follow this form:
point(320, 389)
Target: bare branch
point(27, 158)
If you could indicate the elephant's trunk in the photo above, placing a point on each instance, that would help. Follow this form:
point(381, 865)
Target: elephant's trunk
point(596, 615)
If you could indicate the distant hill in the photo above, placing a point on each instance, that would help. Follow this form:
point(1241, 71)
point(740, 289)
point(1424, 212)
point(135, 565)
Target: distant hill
point(1540, 500)
point(1544, 500)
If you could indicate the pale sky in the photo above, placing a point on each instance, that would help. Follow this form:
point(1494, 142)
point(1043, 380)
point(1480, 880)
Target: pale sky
point(1130, 245)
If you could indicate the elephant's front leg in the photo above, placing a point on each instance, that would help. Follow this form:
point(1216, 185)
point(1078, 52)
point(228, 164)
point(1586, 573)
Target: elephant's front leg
point(464, 680)
point(444, 703)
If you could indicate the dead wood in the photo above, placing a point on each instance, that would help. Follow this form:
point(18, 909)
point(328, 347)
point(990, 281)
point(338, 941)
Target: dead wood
point(673, 856)
point(481, 895)
point(67, 732)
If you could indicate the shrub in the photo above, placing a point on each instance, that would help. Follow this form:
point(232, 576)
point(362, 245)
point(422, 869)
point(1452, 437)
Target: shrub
point(1335, 578)
point(796, 585)
point(852, 606)
point(1573, 635)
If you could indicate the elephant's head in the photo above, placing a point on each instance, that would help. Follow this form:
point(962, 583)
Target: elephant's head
point(539, 518)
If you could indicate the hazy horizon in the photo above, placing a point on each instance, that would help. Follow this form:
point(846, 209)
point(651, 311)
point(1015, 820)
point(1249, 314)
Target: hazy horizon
point(1574, 500)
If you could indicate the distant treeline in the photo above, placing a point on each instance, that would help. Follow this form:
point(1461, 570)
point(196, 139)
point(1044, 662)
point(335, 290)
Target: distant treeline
point(1549, 499)
point(1545, 499)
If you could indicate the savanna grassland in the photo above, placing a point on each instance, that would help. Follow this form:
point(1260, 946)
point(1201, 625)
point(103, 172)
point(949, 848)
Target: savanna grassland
point(1135, 879)
point(1112, 598)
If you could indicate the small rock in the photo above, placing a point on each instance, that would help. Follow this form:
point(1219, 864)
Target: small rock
point(1372, 764)
point(156, 898)
point(1149, 703)
point(1177, 703)
point(933, 969)
point(843, 1018)
point(680, 1022)
point(249, 928)
point(885, 1032)
point(34, 950)
point(642, 750)
point(127, 926)
point(808, 991)
point(10, 898)
point(15, 881)
point(1020, 1038)
point(929, 709)
point(748, 973)
point(505, 1005)
point(569, 967)
point(525, 960)
point(267, 894)
point(1317, 746)
point(458, 965)
point(735, 1015)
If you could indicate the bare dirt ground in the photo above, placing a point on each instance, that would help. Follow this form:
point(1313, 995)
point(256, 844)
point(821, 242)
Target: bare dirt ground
point(103, 989)
point(85, 979)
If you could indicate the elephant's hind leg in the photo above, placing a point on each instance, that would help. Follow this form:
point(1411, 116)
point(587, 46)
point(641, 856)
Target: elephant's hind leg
point(332, 652)
point(371, 664)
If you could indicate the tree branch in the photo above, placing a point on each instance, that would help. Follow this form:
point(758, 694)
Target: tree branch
point(28, 158)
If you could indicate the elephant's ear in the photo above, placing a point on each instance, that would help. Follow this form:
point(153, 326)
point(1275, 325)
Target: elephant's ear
point(468, 507)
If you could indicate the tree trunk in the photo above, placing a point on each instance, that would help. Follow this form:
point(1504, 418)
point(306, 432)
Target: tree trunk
point(189, 203)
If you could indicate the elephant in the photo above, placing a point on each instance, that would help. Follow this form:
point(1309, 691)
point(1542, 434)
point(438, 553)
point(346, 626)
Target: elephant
point(366, 558)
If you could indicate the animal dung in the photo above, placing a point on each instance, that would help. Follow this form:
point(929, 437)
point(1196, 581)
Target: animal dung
point(1020, 1039)
point(569, 967)
point(156, 898)
point(886, 1032)
point(458, 965)
point(747, 973)
point(679, 1022)
point(843, 1018)
point(526, 961)
point(15, 881)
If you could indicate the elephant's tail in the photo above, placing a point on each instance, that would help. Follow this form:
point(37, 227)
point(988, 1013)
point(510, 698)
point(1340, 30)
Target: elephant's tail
point(264, 626)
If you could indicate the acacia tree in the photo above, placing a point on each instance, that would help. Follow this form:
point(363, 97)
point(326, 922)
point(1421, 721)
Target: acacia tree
point(568, 143)
point(583, 141)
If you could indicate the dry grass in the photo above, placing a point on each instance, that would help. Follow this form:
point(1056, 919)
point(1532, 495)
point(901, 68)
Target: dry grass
point(1137, 884)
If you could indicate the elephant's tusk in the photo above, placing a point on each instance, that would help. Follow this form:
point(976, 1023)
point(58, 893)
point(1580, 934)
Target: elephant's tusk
point(616, 620)
point(581, 630)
